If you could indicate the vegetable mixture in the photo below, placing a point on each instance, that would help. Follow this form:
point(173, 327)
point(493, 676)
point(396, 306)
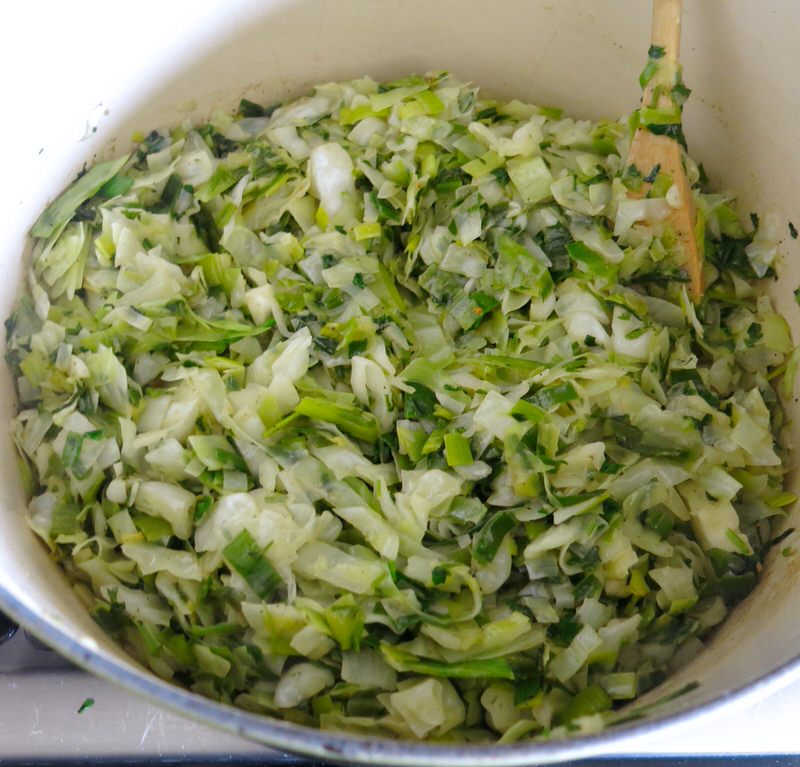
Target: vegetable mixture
point(386, 410)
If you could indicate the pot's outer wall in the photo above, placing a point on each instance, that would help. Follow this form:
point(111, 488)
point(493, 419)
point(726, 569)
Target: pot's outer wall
point(152, 65)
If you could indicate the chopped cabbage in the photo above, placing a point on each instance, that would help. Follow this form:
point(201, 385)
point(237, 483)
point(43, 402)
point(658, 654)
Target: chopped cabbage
point(387, 410)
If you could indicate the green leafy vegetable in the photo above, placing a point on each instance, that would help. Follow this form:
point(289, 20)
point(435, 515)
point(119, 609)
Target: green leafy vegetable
point(491, 536)
point(421, 402)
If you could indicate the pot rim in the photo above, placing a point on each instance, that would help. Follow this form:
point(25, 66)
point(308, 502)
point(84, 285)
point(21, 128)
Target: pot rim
point(345, 747)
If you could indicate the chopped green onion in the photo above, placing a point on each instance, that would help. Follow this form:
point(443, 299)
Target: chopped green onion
point(351, 420)
point(247, 558)
point(457, 450)
point(64, 206)
point(494, 668)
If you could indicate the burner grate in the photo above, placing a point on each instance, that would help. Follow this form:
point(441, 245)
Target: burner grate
point(7, 628)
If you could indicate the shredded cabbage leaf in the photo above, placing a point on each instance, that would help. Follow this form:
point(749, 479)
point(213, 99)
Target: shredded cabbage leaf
point(386, 410)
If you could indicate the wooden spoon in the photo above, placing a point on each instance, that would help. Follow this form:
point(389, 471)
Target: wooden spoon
point(652, 154)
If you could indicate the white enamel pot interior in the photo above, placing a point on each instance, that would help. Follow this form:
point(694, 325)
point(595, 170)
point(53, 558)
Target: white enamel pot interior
point(125, 68)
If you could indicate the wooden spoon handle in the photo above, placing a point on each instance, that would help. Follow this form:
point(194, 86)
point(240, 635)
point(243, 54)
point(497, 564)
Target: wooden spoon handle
point(667, 27)
point(650, 151)
point(666, 34)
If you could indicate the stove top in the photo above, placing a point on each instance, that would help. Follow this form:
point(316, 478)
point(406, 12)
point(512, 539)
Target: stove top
point(52, 712)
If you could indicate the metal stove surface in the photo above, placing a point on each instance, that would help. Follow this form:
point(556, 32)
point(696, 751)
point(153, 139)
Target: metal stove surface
point(46, 718)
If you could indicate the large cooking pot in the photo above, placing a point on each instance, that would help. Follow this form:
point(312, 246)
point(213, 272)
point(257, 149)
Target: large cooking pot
point(101, 71)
